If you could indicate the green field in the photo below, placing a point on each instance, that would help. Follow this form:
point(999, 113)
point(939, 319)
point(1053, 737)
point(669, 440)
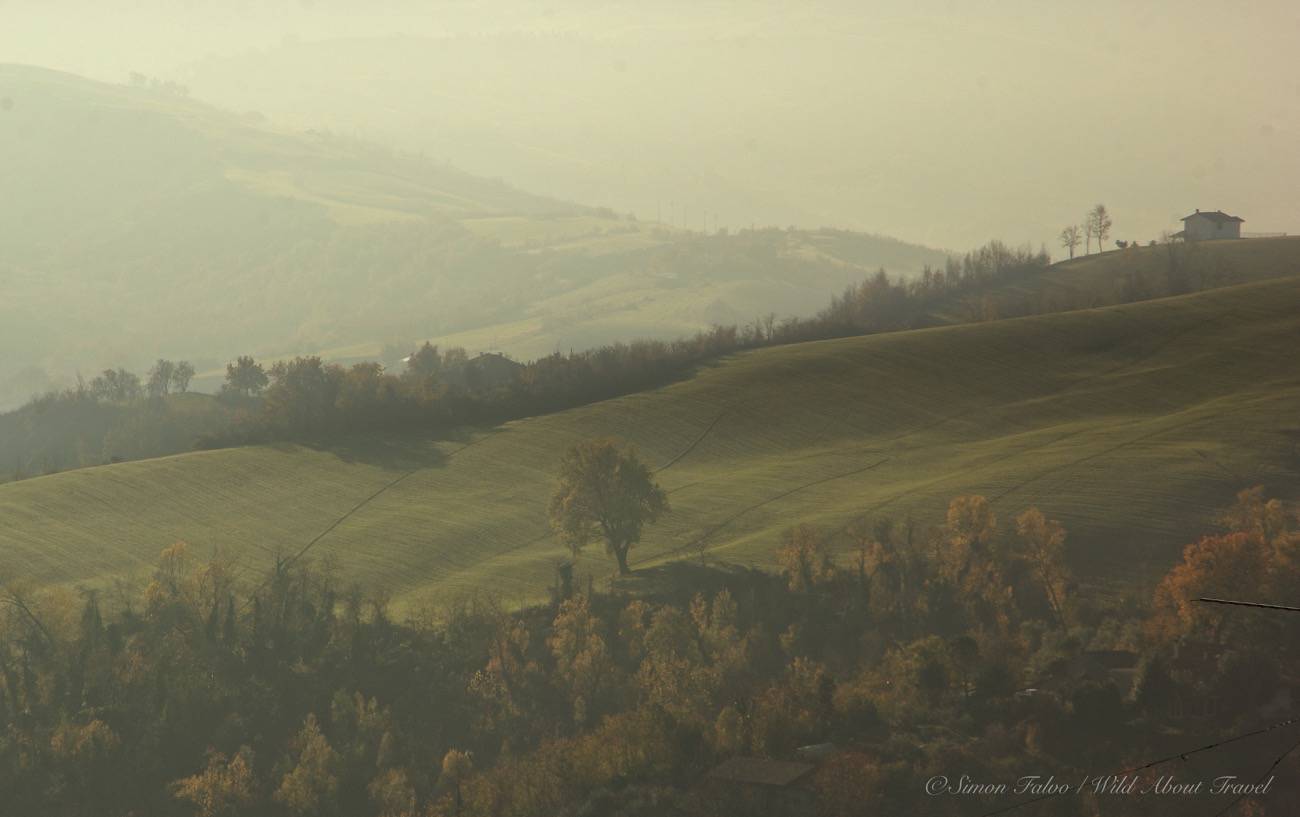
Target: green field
point(1132, 424)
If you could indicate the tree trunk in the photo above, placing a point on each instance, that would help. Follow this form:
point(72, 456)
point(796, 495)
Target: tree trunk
point(620, 553)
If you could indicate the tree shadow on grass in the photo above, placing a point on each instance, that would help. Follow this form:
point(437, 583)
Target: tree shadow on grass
point(398, 451)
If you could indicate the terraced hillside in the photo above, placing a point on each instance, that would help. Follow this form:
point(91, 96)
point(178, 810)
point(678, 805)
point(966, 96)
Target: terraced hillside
point(1132, 424)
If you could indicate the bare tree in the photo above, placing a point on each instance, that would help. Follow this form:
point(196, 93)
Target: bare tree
point(182, 375)
point(1099, 224)
point(160, 378)
point(1070, 238)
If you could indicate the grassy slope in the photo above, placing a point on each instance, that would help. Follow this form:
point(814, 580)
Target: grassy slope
point(1088, 280)
point(1131, 424)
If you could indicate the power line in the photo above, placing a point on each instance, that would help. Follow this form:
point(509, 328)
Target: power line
point(1258, 780)
point(1184, 755)
point(1179, 756)
point(1252, 604)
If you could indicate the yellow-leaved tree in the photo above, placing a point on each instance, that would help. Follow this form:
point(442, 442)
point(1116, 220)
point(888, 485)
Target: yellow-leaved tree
point(605, 492)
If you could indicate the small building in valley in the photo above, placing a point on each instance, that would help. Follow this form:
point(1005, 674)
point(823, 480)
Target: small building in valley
point(486, 372)
point(1206, 226)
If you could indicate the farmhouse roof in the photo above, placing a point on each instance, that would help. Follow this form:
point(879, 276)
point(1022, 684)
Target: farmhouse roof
point(1217, 215)
point(760, 771)
point(497, 357)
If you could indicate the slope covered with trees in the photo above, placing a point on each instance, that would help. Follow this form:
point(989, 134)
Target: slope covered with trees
point(965, 646)
point(1071, 412)
point(1134, 273)
point(213, 235)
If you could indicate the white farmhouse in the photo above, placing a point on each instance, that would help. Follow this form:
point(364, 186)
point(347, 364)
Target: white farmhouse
point(1206, 226)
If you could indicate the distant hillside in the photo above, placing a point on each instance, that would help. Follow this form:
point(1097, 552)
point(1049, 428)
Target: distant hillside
point(1133, 274)
point(1132, 424)
point(139, 224)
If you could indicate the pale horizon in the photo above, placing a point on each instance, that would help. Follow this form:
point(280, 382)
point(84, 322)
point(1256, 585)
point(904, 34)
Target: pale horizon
point(928, 123)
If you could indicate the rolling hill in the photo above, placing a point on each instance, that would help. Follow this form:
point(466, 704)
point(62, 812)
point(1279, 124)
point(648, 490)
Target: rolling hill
point(1138, 273)
point(1132, 424)
point(138, 223)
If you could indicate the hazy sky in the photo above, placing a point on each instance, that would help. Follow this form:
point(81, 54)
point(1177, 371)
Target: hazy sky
point(941, 122)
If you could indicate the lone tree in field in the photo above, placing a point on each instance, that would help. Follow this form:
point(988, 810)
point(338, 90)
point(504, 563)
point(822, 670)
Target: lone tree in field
point(1070, 238)
point(605, 492)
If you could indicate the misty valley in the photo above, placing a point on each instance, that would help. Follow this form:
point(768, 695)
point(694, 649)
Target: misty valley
point(600, 410)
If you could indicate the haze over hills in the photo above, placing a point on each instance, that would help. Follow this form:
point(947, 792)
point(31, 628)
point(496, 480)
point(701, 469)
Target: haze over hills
point(673, 409)
point(140, 224)
point(922, 119)
point(890, 120)
point(1072, 412)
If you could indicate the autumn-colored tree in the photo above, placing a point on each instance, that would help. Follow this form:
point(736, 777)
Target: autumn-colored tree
point(798, 708)
point(1232, 565)
point(457, 766)
point(224, 787)
point(884, 568)
point(1258, 559)
point(170, 584)
point(1264, 519)
point(971, 564)
point(970, 529)
point(725, 649)
point(605, 492)
point(804, 558)
point(1044, 548)
point(392, 794)
point(582, 658)
point(362, 735)
point(674, 673)
point(311, 784)
point(87, 752)
point(506, 682)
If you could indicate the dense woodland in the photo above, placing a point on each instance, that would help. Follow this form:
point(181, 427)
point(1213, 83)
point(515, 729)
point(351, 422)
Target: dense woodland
point(915, 652)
